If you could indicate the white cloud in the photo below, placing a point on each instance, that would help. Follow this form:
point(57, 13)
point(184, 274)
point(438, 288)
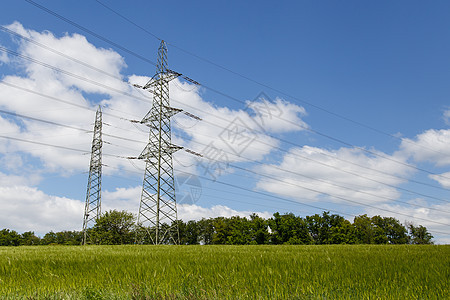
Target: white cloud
point(231, 130)
point(278, 116)
point(4, 59)
point(13, 180)
point(303, 171)
point(7, 128)
point(243, 137)
point(188, 212)
point(225, 135)
point(128, 199)
point(236, 132)
point(431, 146)
point(29, 209)
point(447, 117)
point(122, 199)
point(426, 216)
point(68, 89)
point(76, 47)
point(443, 179)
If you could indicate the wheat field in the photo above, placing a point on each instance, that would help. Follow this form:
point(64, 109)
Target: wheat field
point(225, 272)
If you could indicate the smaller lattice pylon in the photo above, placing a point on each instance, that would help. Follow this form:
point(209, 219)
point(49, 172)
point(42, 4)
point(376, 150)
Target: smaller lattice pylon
point(92, 209)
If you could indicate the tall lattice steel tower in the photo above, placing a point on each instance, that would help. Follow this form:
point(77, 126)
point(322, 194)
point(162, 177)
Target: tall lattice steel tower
point(158, 208)
point(92, 209)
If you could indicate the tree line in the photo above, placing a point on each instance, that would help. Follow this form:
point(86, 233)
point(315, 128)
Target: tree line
point(118, 227)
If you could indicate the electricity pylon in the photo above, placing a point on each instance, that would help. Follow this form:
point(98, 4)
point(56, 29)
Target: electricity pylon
point(158, 207)
point(92, 209)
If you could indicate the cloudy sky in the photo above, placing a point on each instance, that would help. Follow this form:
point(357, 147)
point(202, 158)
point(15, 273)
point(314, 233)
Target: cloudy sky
point(305, 107)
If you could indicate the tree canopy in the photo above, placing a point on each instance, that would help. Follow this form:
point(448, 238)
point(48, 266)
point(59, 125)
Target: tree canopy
point(118, 227)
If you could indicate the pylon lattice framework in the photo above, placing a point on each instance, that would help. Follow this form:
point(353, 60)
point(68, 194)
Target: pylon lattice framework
point(92, 209)
point(158, 209)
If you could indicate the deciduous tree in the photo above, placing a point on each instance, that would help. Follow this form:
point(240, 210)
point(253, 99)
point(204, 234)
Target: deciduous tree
point(114, 228)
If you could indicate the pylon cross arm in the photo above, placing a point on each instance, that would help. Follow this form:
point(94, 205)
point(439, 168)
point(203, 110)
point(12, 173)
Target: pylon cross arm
point(167, 76)
point(167, 113)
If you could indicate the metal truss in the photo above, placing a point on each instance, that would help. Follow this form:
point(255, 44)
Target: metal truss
point(92, 209)
point(157, 216)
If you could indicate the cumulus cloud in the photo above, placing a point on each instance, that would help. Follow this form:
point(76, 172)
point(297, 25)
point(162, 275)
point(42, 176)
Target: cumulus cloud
point(70, 103)
point(188, 212)
point(312, 174)
point(4, 59)
point(447, 117)
point(7, 128)
point(15, 97)
point(225, 135)
point(277, 116)
point(430, 146)
point(435, 217)
point(73, 103)
point(240, 132)
point(122, 199)
point(13, 180)
point(443, 179)
point(128, 199)
point(77, 48)
point(29, 209)
point(232, 130)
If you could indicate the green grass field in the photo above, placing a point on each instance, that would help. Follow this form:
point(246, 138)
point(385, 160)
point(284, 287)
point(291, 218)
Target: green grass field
point(225, 272)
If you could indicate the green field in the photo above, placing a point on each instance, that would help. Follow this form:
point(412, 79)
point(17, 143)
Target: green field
point(225, 272)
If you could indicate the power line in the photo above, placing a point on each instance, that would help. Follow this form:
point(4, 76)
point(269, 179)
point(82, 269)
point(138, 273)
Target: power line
point(235, 99)
point(51, 97)
point(331, 195)
point(315, 191)
point(337, 185)
point(129, 20)
point(66, 102)
point(336, 140)
point(326, 181)
point(127, 139)
point(6, 50)
point(91, 32)
point(342, 170)
point(263, 84)
point(257, 204)
point(68, 126)
point(202, 188)
point(313, 206)
point(42, 144)
point(264, 194)
point(58, 52)
point(235, 186)
point(349, 144)
point(43, 121)
point(237, 167)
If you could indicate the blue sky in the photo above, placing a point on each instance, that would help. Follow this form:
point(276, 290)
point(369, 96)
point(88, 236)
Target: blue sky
point(357, 93)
